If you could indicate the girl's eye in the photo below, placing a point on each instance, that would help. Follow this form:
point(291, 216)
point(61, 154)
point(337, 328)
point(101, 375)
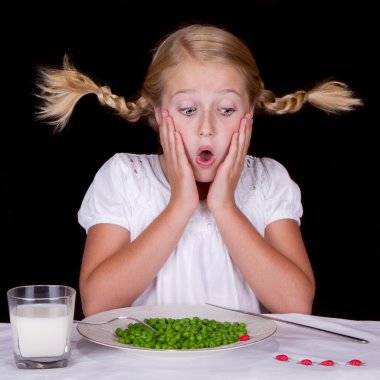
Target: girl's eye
point(187, 111)
point(227, 111)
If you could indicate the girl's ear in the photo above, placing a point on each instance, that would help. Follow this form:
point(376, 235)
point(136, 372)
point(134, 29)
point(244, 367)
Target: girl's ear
point(158, 115)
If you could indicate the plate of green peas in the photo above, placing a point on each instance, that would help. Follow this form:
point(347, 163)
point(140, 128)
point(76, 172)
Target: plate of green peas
point(179, 329)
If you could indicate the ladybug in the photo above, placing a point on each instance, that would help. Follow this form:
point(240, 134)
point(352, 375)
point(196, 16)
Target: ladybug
point(355, 362)
point(327, 363)
point(306, 362)
point(282, 358)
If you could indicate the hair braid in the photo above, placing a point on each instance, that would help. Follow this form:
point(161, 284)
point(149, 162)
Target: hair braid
point(61, 89)
point(330, 96)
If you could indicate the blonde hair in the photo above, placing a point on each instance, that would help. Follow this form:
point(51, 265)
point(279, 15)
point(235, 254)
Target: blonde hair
point(61, 89)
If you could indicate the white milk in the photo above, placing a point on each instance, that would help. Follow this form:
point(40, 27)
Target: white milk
point(43, 330)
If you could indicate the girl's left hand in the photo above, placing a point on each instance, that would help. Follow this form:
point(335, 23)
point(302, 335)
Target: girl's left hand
point(222, 190)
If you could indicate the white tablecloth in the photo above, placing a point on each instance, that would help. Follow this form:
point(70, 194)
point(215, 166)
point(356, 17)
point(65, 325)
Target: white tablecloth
point(93, 361)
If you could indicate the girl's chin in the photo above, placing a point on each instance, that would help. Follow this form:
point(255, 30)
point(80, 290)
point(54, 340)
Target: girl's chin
point(204, 177)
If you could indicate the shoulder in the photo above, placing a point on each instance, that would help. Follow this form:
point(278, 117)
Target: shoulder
point(265, 169)
point(128, 162)
point(269, 176)
point(132, 171)
point(125, 160)
point(264, 163)
point(279, 193)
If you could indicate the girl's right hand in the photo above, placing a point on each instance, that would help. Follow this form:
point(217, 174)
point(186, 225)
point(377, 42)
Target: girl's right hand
point(177, 168)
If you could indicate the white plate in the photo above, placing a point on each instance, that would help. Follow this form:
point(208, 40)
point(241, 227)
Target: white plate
point(258, 328)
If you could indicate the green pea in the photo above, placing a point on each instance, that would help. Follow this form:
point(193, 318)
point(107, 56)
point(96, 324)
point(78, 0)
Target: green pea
point(184, 333)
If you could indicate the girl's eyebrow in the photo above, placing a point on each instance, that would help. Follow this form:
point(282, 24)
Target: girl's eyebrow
point(185, 91)
point(224, 91)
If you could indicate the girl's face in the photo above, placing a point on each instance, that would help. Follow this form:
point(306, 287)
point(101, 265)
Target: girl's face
point(207, 102)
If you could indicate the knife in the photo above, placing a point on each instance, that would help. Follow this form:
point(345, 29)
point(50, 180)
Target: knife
point(291, 323)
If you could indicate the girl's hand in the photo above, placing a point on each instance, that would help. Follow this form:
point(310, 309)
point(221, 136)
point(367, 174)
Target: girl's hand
point(178, 171)
point(222, 190)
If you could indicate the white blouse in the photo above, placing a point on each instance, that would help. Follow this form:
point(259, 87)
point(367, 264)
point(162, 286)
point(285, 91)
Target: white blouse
point(131, 190)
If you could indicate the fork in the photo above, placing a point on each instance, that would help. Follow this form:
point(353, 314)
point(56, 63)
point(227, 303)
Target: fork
point(115, 319)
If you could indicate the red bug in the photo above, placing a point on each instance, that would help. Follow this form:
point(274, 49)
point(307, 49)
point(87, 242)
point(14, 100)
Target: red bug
point(355, 362)
point(306, 362)
point(282, 358)
point(327, 363)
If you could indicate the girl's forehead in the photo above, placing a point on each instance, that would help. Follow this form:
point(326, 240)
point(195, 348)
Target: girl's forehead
point(193, 75)
point(194, 66)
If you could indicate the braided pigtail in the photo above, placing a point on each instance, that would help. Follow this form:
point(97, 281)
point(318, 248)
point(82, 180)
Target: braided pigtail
point(61, 89)
point(330, 96)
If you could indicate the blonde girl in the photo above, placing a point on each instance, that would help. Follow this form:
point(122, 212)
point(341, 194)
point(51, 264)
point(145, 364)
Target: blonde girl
point(203, 221)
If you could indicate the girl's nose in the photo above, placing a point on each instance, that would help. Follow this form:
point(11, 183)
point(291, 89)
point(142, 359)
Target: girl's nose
point(205, 133)
point(206, 128)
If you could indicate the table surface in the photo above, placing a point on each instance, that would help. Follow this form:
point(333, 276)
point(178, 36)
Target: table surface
point(258, 361)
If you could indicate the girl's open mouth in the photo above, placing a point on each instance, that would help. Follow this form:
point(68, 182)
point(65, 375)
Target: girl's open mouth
point(205, 156)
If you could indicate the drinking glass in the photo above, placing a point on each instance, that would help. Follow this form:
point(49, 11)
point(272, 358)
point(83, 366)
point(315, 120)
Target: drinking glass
point(41, 319)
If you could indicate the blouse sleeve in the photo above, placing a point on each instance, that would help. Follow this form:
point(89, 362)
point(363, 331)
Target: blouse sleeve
point(106, 199)
point(282, 196)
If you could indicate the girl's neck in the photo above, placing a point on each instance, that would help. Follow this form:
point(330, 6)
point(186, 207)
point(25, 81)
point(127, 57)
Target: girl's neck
point(203, 188)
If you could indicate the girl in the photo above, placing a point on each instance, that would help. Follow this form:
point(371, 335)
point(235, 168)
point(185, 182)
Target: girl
point(203, 221)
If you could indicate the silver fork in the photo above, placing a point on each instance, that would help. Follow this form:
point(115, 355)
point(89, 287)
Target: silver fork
point(115, 319)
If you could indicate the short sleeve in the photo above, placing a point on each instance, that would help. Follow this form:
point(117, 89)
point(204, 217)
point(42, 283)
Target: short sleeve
point(282, 196)
point(106, 199)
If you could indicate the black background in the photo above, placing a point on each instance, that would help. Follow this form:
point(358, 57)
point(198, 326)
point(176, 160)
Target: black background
point(296, 44)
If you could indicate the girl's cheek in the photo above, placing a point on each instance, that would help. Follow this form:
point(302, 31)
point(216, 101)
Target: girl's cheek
point(177, 123)
point(233, 127)
point(232, 123)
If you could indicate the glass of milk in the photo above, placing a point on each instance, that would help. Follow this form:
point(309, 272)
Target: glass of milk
point(41, 318)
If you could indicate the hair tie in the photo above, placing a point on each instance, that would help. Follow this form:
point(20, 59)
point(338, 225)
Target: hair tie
point(303, 94)
point(107, 97)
